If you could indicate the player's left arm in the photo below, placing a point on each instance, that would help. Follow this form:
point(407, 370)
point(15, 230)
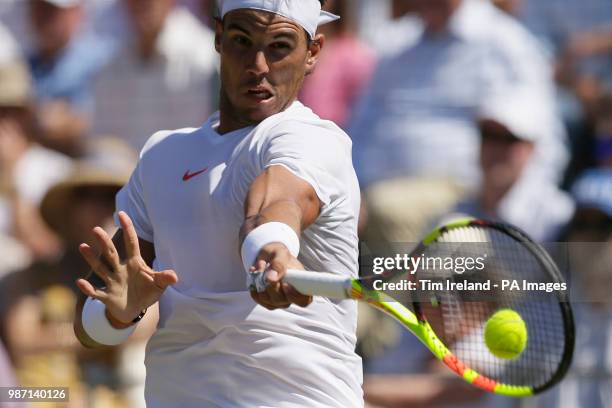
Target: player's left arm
point(277, 195)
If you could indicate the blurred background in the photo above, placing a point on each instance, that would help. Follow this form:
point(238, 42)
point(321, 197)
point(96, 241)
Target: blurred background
point(496, 108)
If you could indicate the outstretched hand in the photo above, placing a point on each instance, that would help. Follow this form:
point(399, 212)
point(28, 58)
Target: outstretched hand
point(131, 285)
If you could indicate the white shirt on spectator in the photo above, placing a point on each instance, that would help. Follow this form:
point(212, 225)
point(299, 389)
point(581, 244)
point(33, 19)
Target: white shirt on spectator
point(36, 171)
point(419, 116)
point(214, 346)
point(537, 207)
point(135, 98)
point(9, 51)
point(394, 36)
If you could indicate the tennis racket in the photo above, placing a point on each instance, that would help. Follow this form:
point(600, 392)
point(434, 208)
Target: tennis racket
point(450, 323)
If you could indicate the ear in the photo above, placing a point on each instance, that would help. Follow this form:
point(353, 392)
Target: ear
point(218, 34)
point(314, 51)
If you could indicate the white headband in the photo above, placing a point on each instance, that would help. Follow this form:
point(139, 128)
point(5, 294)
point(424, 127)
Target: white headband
point(306, 13)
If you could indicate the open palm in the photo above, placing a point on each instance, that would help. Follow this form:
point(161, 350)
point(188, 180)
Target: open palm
point(131, 285)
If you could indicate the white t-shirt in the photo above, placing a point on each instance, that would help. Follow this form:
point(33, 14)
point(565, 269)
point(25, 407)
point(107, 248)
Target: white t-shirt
point(36, 171)
point(214, 346)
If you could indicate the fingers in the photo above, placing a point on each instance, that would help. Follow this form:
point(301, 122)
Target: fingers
point(260, 265)
point(274, 277)
point(278, 295)
point(272, 297)
point(165, 278)
point(296, 297)
point(130, 238)
point(281, 298)
point(264, 300)
point(274, 259)
point(95, 263)
point(275, 294)
point(88, 289)
point(107, 248)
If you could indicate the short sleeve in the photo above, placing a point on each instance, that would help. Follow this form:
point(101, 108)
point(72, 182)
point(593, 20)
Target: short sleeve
point(318, 155)
point(130, 200)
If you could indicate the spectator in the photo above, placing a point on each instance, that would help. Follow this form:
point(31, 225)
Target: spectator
point(108, 21)
point(8, 46)
point(13, 16)
point(589, 237)
point(207, 12)
point(7, 378)
point(26, 168)
point(37, 304)
point(12, 254)
point(403, 29)
point(204, 10)
point(579, 34)
point(163, 77)
point(512, 7)
point(603, 131)
point(343, 70)
point(415, 134)
point(63, 65)
point(510, 129)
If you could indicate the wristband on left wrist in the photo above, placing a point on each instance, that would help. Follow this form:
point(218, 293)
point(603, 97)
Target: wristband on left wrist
point(97, 324)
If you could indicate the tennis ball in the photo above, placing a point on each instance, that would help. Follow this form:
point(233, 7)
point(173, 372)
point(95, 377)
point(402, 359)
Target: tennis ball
point(505, 334)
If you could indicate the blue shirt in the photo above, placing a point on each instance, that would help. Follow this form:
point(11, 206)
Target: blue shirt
point(69, 77)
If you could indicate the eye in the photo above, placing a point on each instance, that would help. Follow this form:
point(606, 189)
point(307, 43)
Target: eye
point(280, 45)
point(241, 40)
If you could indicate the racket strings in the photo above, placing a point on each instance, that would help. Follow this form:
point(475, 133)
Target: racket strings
point(458, 317)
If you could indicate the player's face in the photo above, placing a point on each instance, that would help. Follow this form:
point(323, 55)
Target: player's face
point(264, 59)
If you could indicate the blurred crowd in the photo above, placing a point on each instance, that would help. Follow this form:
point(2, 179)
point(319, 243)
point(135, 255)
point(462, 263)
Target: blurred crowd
point(500, 109)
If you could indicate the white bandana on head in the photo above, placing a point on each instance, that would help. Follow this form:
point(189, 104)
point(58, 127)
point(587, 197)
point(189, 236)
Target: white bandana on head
point(306, 13)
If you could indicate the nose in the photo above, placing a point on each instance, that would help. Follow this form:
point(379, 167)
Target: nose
point(258, 65)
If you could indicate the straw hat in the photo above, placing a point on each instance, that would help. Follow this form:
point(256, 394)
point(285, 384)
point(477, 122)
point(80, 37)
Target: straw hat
point(108, 164)
point(15, 84)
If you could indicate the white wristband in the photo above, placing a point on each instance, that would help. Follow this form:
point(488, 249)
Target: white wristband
point(266, 234)
point(98, 327)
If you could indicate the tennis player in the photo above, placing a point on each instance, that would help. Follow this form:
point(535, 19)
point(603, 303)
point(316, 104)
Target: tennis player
point(265, 184)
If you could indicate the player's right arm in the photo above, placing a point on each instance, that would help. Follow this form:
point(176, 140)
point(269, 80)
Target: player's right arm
point(127, 284)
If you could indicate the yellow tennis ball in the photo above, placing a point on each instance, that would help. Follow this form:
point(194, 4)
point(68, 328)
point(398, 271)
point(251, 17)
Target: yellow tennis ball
point(505, 334)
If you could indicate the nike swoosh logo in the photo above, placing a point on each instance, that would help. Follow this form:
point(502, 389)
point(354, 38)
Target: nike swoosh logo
point(187, 176)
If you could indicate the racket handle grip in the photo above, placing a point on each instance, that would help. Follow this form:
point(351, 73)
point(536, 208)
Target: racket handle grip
point(319, 283)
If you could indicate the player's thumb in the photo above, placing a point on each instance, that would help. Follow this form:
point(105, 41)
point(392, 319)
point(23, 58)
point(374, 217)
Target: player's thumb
point(165, 278)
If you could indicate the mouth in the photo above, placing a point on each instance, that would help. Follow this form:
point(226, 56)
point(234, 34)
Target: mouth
point(261, 94)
